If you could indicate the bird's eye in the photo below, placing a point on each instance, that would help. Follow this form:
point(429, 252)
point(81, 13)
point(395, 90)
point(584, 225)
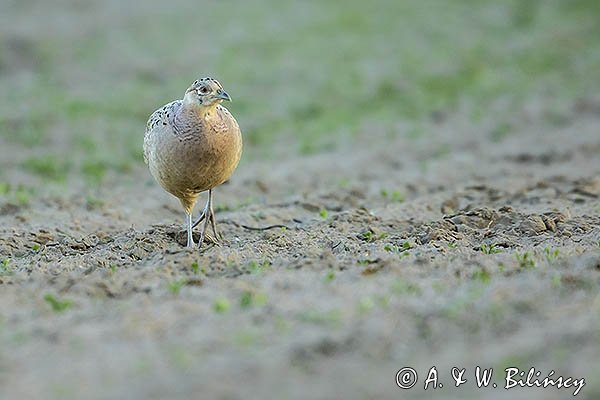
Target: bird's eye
point(203, 90)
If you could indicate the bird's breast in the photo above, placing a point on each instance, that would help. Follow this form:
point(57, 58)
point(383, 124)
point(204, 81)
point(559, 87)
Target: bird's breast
point(199, 157)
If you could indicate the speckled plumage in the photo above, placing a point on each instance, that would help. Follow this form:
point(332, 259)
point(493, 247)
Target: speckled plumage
point(194, 144)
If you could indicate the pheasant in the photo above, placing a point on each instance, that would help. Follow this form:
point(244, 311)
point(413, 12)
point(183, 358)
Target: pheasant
point(193, 145)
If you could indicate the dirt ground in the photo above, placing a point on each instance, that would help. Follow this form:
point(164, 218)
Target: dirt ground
point(473, 243)
point(360, 284)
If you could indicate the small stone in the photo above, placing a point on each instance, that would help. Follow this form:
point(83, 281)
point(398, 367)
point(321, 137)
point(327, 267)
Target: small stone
point(533, 224)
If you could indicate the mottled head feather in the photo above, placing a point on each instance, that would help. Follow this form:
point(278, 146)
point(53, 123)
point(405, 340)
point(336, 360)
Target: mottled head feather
point(206, 91)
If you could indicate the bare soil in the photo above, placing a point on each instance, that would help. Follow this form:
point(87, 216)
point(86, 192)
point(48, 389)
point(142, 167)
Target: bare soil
point(451, 249)
point(420, 187)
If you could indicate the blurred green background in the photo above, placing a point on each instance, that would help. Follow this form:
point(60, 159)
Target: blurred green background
point(79, 79)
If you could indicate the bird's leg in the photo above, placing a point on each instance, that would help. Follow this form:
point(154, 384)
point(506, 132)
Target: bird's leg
point(200, 218)
point(204, 217)
point(190, 239)
point(211, 216)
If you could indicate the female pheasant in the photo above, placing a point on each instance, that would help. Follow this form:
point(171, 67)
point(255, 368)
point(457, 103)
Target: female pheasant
point(193, 145)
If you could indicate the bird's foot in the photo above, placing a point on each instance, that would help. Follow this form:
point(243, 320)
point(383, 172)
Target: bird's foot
point(214, 240)
point(206, 237)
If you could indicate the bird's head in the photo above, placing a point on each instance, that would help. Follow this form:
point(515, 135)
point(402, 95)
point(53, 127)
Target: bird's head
point(205, 92)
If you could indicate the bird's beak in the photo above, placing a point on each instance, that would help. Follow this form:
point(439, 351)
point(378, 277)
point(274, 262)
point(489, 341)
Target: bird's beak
point(221, 94)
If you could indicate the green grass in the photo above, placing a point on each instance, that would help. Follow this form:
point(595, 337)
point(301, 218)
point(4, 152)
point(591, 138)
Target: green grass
point(331, 317)
point(329, 277)
point(403, 287)
point(525, 260)
point(4, 188)
point(366, 304)
point(56, 304)
point(489, 249)
point(325, 72)
point(556, 280)
point(94, 170)
point(22, 195)
point(390, 248)
point(249, 299)
point(551, 254)
point(221, 305)
point(482, 276)
point(5, 268)
point(93, 203)
point(195, 267)
point(463, 302)
point(246, 299)
point(175, 286)
point(401, 250)
point(393, 195)
point(256, 266)
point(49, 167)
point(370, 236)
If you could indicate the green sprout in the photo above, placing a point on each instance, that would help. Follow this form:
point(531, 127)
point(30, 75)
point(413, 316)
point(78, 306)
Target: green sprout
point(366, 304)
point(551, 254)
point(251, 298)
point(5, 268)
point(175, 286)
point(221, 305)
point(57, 304)
point(195, 267)
point(489, 249)
point(525, 260)
point(330, 276)
point(395, 196)
point(482, 275)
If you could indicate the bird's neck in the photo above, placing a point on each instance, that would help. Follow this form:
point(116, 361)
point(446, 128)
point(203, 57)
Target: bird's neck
point(196, 111)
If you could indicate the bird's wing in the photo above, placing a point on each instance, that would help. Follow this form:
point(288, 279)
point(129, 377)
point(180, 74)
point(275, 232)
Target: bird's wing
point(160, 120)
